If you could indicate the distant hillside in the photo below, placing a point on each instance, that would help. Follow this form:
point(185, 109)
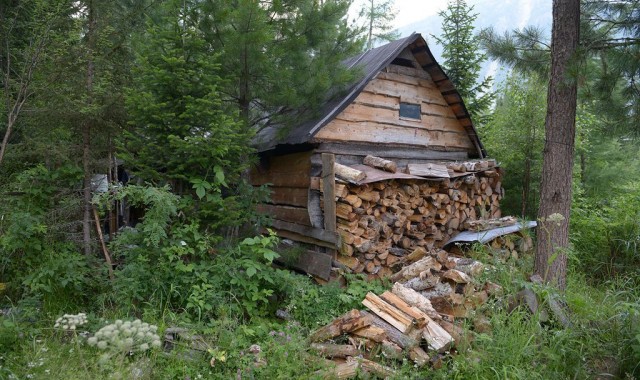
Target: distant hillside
point(502, 15)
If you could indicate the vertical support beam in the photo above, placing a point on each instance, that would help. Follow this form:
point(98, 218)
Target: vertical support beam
point(328, 187)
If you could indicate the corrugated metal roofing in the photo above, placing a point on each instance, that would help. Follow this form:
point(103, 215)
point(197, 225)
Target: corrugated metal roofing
point(370, 63)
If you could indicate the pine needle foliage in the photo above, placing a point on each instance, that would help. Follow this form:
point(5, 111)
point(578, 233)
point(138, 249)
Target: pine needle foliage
point(463, 59)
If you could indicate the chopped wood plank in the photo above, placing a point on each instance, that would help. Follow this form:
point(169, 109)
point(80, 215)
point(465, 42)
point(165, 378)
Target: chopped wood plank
point(392, 315)
point(428, 170)
point(419, 317)
point(414, 298)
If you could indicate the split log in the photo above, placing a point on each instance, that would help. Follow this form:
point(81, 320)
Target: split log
point(352, 320)
point(428, 170)
point(422, 282)
point(380, 163)
point(414, 298)
point(373, 333)
point(392, 315)
point(395, 336)
point(329, 350)
point(456, 276)
point(349, 174)
point(416, 268)
point(468, 266)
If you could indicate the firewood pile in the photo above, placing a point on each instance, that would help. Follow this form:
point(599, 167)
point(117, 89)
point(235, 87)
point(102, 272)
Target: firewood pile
point(381, 223)
point(415, 318)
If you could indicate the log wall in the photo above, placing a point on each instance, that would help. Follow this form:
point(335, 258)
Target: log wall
point(373, 117)
point(288, 177)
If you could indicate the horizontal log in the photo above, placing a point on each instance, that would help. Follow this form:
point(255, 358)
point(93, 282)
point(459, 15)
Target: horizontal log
point(316, 233)
point(290, 170)
point(290, 214)
point(398, 89)
point(349, 174)
point(329, 350)
point(315, 263)
point(391, 132)
point(380, 163)
point(290, 196)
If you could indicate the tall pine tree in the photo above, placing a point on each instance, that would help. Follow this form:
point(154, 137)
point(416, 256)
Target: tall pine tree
point(279, 58)
point(377, 17)
point(463, 59)
point(180, 129)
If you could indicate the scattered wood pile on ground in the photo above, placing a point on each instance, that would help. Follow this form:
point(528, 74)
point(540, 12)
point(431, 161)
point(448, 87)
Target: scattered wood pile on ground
point(416, 318)
point(380, 223)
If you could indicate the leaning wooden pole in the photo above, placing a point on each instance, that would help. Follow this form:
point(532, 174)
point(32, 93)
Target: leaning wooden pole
point(105, 251)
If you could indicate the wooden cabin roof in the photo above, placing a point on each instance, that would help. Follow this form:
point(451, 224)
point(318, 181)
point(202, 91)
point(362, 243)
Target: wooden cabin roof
point(370, 63)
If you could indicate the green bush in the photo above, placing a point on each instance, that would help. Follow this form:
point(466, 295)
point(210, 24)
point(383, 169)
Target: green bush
point(606, 233)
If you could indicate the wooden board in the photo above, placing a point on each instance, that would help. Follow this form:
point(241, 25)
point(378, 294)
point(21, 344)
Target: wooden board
point(328, 188)
point(383, 115)
point(316, 233)
point(297, 215)
point(390, 152)
point(393, 103)
point(393, 88)
point(291, 196)
point(428, 170)
point(290, 170)
point(315, 263)
point(302, 238)
point(372, 132)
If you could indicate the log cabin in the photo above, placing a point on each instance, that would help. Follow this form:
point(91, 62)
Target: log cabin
point(390, 167)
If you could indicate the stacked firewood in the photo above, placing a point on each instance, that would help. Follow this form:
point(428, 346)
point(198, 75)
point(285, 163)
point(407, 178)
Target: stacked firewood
point(382, 222)
point(416, 318)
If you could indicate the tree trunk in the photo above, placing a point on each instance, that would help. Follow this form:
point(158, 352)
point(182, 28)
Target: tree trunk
point(555, 188)
point(86, 132)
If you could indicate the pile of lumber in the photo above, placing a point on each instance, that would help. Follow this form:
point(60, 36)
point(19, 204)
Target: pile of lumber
point(415, 318)
point(381, 223)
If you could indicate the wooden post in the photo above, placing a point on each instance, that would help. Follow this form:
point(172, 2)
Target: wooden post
point(328, 188)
